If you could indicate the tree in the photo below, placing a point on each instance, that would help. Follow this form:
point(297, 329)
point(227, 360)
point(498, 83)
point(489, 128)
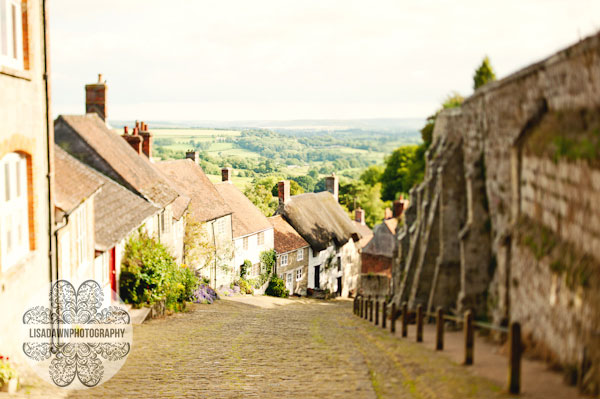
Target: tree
point(484, 74)
point(259, 193)
point(372, 175)
point(295, 188)
point(399, 174)
point(307, 183)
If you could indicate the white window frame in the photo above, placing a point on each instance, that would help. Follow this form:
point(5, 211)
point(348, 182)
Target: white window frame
point(14, 210)
point(11, 34)
point(299, 274)
point(261, 238)
point(245, 243)
point(220, 226)
point(300, 254)
point(284, 260)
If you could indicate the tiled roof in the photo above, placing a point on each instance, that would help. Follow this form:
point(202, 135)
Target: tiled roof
point(365, 232)
point(189, 179)
point(286, 238)
point(74, 182)
point(319, 219)
point(118, 212)
point(247, 218)
point(88, 139)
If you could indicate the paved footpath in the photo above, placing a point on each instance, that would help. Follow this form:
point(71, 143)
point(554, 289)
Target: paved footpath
point(304, 349)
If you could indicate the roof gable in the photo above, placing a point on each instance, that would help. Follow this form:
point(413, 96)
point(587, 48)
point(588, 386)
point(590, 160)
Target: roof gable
point(246, 218)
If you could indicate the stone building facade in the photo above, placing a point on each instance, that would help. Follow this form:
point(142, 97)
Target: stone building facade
point(505, 222)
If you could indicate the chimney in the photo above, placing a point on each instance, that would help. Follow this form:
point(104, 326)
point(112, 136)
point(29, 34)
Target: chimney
point(388, 214)
point(125, 129)
point(95, 98)
point(193, 155)
point(134, 139)
point(226, 174)
point(398, 208)
point(359, 215)
point(332, 184)
point(147, 143)
point(283, 189)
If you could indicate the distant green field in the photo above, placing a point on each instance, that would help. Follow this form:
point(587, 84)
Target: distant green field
point(239, 182)
point(194, 133)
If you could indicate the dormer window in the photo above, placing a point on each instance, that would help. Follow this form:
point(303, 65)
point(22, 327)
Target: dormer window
point(11, 34)
point(14, 220)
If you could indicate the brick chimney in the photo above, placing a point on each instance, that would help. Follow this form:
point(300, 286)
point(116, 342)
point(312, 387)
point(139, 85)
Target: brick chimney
point(134, 139)
point(226, 174)
point(398, 208)
point(95, 98)
point(193, 155)
point(283, 189)
point(332, 184)
point(147, 143)
point(359, 215)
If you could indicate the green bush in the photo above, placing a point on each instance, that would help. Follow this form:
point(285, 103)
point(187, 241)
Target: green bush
point(244, 269)
point(245, 286)
point(277, 288)
point(149, 274)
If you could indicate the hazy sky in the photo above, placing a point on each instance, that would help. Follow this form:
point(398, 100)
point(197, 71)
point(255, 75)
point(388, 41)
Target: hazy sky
point(279, 59)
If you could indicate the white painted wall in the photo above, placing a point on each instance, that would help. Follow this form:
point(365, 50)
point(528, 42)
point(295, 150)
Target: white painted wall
point(253, 251)
point(349, 271)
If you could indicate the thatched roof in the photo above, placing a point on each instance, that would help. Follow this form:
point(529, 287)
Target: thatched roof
point(247, 218)
point(319, 219)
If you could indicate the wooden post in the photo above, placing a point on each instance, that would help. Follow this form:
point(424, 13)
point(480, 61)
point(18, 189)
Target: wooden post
point(419, 323)
point(469, 338)
point(439, 330)
point(404, 320)
point(370, 309)
point(383, 314)
point(366, 315)
point(360, 306)
point(354, 305)
point(514, 360)
point(393, 319)
point(376, 312)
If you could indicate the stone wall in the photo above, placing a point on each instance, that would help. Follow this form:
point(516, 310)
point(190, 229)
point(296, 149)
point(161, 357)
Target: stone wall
point(506, 221)
point(375, 285)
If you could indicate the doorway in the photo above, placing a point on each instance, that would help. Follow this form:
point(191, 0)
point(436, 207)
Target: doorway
point(317, 276)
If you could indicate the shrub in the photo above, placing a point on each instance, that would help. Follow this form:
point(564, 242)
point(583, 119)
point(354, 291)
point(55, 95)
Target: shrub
point(204, 294)
point(277, 288)
point(244, 286)
point(149, 274)
point(244, 269)
point(7, 371)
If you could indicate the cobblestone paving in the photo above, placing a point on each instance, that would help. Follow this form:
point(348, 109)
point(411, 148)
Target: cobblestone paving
point(302, 350)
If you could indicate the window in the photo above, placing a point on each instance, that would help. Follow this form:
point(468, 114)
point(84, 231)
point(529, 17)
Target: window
point(245, 243)
point(284, 260)
point(11, 34)
point(220, 226)
point(300, 254)
point(14, 220)
point(261, 238)
point(299, 274)
point(165, 222)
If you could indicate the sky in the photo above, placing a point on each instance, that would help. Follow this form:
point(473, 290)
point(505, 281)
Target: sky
point(282, 59)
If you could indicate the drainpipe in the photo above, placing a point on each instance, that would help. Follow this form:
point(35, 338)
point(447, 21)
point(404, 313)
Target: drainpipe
point(215, 245)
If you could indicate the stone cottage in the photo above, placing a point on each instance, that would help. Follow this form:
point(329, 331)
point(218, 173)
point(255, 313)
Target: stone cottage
point(26, 196)
point(334, 260)
point(292, 256)
point(251, 231)
point(209, 208)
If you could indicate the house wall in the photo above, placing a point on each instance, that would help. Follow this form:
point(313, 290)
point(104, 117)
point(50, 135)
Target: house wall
point(376, 264)
point(224, 274)
point(252, 253)
point(69, 266)
point(298, 286)
point(349, 271)
point(23, 116)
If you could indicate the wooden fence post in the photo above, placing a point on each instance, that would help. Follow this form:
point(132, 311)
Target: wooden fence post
point(393, 318)
point(360, 306)
point(354, 304)
point(439, 330)
point(404, 320)
point(366, 308)
point(419, 323)
point(514, 360)
point(370, 309)
point(383, 314)
point(469, 337)
point(376, 312)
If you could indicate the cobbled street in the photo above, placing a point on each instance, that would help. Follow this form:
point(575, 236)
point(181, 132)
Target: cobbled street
point(307, 349)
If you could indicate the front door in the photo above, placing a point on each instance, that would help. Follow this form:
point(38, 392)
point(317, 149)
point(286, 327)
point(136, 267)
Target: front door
point(289, 283)
point(317, 276)
point(339, 286)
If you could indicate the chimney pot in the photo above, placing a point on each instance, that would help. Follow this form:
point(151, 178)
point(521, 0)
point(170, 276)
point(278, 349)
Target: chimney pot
point(193, 155)
point(135, 131)
point(126, 129)
point(359, 215)
point(99, 78)
point(226, 174)
point(398, 208)
point(283, 190)
point(95, 98)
